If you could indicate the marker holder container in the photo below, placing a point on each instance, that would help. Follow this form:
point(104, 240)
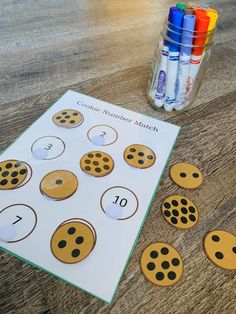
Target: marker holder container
point(178, 68)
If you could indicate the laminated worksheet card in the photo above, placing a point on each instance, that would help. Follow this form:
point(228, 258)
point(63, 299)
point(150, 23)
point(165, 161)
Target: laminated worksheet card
point(76, 187)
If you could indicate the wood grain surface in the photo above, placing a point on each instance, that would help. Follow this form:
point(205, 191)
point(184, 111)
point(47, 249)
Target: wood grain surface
point(104, 49)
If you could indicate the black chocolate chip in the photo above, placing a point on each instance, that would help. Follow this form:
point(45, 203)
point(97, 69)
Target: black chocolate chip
point(192, 209)
point(87, 168)
point(106, 167)
point(90, 155)
point(164, 251)
point(105, 159)
point(95, 163)
point(182, 174)
point(167, 213)
point(14, 181)
point(71, 230)
point(184, 210)
point(150, 157)
point(79, 240)
point(175, 261)
point(5, 174)
point(215, 238)
point(195, 175)
point(62, 121)
point(150, 266)
point(75, 253)
point(184, 220)
point(175, 212)
point(132, 150)
point(98, 155)
point(141, 162)
point(165, 264)
point(183, 201)
point(98, 169)
point(175, 203)
point(87, 161)
point(234, 249)
point(72, 121)
point(9, 165)
point(14, 174)
point(219, 255)
point(67, 117)
point(141, 154)
point(3, 182)
point(171, 275)
point(192, 217)
point(160, 276)
point(59, 181)
point(154, 254)
point(62, 244)
point(174, 220)
point(167, 205)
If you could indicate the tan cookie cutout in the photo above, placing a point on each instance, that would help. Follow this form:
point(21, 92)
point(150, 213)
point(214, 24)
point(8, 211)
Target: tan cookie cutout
point(180, 212)
point(73, 241)
point(139, 156)
point(59, 184)
point(161, 264)
point(186, 175)
point(68, 118)
point(220, 248)
point(97, 164)
point(12, 174)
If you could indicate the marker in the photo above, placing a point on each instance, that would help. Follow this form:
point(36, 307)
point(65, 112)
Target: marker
point(160, 81)
point(202, 23)
point(193, 5)
point(172, 67)
point(181, 6)
point(188, 11)
point(184, 60)
point(212, 13)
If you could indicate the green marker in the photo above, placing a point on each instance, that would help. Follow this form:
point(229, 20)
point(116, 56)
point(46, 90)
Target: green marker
point(181, 6)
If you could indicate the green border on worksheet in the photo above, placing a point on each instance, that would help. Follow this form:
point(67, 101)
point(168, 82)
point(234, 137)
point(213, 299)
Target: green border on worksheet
point(140, 229)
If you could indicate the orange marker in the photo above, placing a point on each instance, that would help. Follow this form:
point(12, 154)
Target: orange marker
point(200, 38)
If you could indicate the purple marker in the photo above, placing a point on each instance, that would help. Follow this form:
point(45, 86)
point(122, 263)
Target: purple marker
point(160, 82)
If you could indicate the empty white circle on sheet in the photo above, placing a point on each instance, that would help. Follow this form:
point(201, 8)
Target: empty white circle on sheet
point(48, 147)
point(16, 222)
point(119, 203)
point(102, 135)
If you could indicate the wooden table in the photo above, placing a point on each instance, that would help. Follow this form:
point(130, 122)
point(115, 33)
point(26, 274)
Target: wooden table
point(104, 49)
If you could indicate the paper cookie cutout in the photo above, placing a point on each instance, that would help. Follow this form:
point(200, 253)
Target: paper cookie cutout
point(180, 212)
point(68, 118)
point(47, 148)
point(102, 135)
point(59, 184)
point(220, 248)
point(119, 203)
point(17, 222)
point(186, 175)
point(73, 241)
point(161, 264)
point(14, 174)
point(97, 164)
point(139, 156)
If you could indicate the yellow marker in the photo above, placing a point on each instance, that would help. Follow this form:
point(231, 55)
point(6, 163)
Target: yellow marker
point(213, 15)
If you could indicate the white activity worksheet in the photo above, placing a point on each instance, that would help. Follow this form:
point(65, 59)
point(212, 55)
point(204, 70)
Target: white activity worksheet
point(76, 187)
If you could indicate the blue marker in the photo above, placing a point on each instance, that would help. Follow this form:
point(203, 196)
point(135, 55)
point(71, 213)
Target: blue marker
point(160, 82)
point(175, 35)
point(184, 60)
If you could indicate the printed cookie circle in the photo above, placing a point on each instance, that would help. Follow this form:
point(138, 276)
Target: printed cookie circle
point(220, 248)
point(180, 212)
point(186, 175)
point(139, 156)
point(12, 174)
point(97, 164)
point(47, 147)
point(161, 264)
point(102, 135)
point(59, 184)
point(73, 241)
point(68, 118)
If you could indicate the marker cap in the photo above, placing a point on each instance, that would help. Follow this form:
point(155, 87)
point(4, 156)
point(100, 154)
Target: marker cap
point(213, 19)
point(188, 11)
point(181, 6)
point(198, 12)
point(201, 34)
point(177, 23)
point(187, 34)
